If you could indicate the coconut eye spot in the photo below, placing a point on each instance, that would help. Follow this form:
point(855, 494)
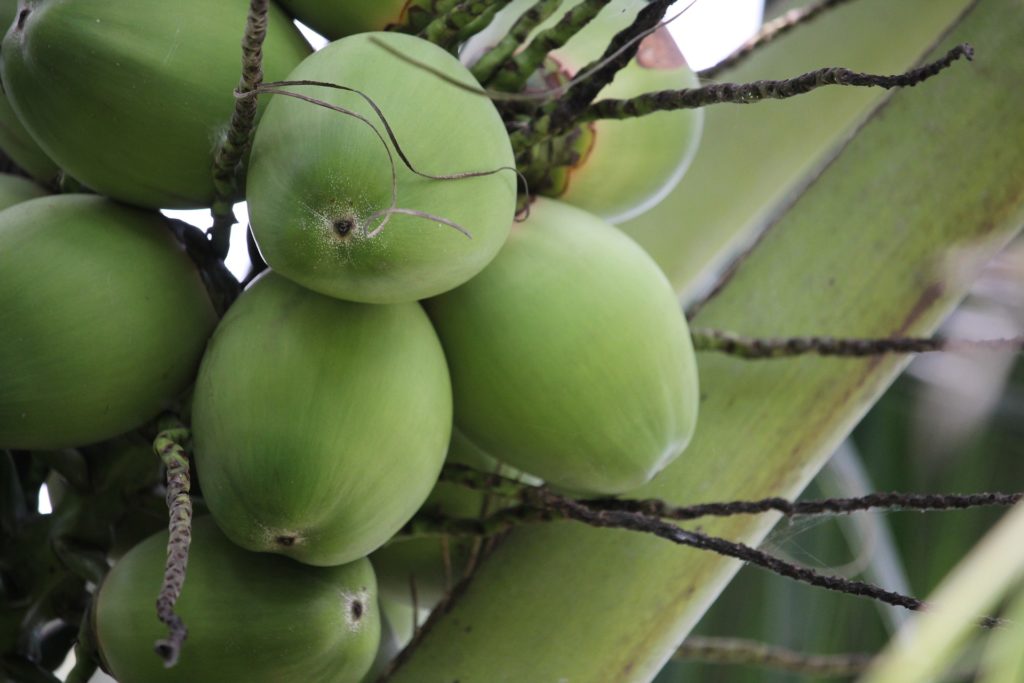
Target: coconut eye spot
point(285, 541)
point(355, 606)
point(344, 226)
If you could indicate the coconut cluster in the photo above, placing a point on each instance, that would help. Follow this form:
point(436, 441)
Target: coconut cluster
point(417, 307)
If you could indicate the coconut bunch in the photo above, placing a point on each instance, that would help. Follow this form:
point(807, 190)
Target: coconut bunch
point(422, 301)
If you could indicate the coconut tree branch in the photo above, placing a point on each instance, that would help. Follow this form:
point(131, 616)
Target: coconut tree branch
point(238, 138)
point(753, 653)
point(418, 14)
point(622, 48)
point(532, 499)
point(755, 348)
point(581, 512)
point(512, 75)
point(647, 516)
point(492, 60)
point(170, 446)
point(481, 22)
point(779, 26)
point(892, 501)
point(447, 29)
point(746, 93)
point(221, 285)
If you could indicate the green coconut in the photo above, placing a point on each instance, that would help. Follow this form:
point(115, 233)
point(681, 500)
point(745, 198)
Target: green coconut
point(19, 146)
point(132, 98)
point(320, 425)
point(626, 166)
point(103, 320)
point(338, 18)
point(15, 141)
point(250, 617)
point(15, 189)
point(569, 355)
point(320, 181)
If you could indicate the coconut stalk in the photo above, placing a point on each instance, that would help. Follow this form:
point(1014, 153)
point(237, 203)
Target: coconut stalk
point(884, 241)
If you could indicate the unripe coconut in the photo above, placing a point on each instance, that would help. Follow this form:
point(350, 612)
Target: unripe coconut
point(103, 320)
point(253, 618)
point(132, 98)
point(15, 141)
point(320, 425)
point(15, 189)
point(338, 18)
point(570, 357)
point(17, 144)
point(320, 181)
point(625, 166)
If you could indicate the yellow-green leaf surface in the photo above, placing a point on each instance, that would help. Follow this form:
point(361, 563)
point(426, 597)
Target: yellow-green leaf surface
point(1004, 654)
point(885, 241)
point(753, 157)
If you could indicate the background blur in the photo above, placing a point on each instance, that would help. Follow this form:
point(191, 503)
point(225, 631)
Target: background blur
point(953, 423)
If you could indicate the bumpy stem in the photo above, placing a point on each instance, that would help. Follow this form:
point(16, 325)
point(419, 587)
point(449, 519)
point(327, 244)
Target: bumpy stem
point(512, 75)
point(746, 93)
point(446, 29)
point(530, 496)
point(490, 62)
point(474, 527)
point(647, 517)
point(753, 348)
point(752, 653)
point(221, 285)
point(236, 142)
point(169, 445)
point(921, 502)
point(481, 22)
point(622, 48)
point(771, 30)
point(580, 512)
point(418, 14)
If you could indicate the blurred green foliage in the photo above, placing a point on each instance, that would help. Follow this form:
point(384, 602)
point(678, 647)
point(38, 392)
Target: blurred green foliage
point(771, 609)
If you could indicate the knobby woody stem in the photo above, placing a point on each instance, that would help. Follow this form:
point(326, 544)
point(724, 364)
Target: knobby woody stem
point(646, 517)
point(481, 22)
point(170, 446)
point(889, 501)
point(746, 93)
point(447, 29)
point(758, 348)
point(513, 74)
point(753, 653)
point(611, 519)
point(498, 55)
point(531, 513)
point(418, 14)
point(579, 96)
point(238, 138)
point(512, 490)
point(771, 30)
